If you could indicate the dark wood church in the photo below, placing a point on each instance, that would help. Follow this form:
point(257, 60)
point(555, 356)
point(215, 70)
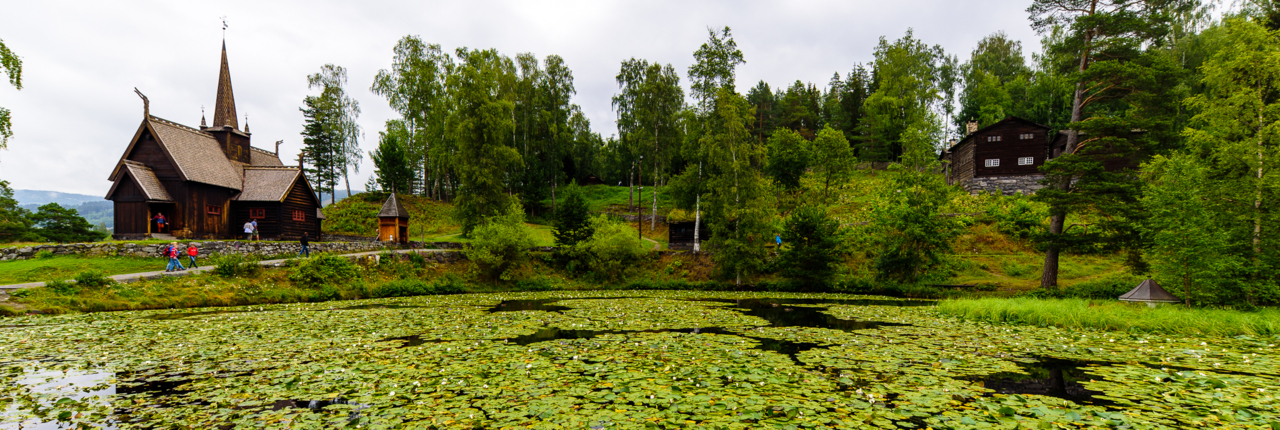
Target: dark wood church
point(208, 182)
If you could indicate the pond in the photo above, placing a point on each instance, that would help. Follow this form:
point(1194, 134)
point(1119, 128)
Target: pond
point(604, 360)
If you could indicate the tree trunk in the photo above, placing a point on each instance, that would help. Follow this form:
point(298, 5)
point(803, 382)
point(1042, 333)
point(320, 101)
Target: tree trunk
point(346, 180)
point(1049, 278)
point(631, 187)
point(697, 223)
point(653, 218)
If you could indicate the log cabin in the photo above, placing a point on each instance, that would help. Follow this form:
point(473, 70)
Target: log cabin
point(1004, 157)
point(208, 182)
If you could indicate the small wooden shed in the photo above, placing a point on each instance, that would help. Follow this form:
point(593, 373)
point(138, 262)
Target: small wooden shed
point(393, 221)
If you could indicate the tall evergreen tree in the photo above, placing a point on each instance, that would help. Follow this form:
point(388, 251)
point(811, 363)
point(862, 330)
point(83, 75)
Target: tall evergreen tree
point(15, 221)
point(321, 147)
point(341, 113)
point(393, 171)
point(63, 225)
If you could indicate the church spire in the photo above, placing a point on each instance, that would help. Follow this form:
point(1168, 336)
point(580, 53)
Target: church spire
point(224, 109)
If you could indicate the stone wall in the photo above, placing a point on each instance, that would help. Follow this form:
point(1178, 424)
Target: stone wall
point(1007, 185)
point(206, 248)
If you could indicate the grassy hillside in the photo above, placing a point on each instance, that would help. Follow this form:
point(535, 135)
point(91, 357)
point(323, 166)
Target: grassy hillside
point(358, 216)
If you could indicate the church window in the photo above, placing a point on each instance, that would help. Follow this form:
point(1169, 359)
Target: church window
point(213, 210)
point(299, 215)
point(257, 213)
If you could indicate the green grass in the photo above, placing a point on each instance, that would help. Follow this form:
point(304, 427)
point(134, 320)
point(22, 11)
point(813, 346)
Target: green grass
point(66, 267)
point(543, 235)
point(1113, 315)
point(601, 198)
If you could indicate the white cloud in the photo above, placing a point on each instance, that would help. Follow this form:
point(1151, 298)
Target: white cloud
point(81, 60)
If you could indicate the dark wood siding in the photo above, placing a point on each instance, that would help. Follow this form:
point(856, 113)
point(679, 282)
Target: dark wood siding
point(680, 234)
point(268, 225)
point(131, 217)
point(1009, 149)
point(127, 190)
point(147, 151)
point(299, 198)
point(198, 222)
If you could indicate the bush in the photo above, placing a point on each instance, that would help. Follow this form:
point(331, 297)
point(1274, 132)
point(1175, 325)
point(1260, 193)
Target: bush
point(812, 245)
point(235, 265)
point(500, 244)
point(612, 247)
point(1018, 216)
point(1108, 288)
point(448, 284)
point(44, 255)
point(6, 311)
point(92, 279)
point(323, 270)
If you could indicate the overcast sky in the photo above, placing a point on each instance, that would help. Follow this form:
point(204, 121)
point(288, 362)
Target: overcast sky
point(81, 60)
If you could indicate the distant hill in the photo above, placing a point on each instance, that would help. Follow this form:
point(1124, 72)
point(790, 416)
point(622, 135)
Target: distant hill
point(94, 209)
point(339, 194)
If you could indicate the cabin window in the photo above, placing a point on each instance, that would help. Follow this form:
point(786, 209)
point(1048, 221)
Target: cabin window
point(1026, 136)
point(299, 215)
point(992, 162)
point(257, 213)
point(213, 210)
point(1026, 161)
point(993, 138)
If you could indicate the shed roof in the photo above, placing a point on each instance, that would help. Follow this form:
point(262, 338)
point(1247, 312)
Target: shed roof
point(393, 209)
point(267, 184)
point(1149, 291)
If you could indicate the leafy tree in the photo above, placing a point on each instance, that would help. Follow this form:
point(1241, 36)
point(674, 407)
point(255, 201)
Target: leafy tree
point(812, 246)
point(482, 125)
point(612, 247)
point(788, 157)
point(1121, 85)
point(740, 207)
point(714, 68)
point(573, 218)
point(648, 111)
point(390, 160)
point(906, 73)
point(914, 238)
point(58, 224)
point(15, 222)
point(1190, 246)
point(415, 88)
point(1237, 132)
point(12, 66)
point(339, 112)
point(833, 159)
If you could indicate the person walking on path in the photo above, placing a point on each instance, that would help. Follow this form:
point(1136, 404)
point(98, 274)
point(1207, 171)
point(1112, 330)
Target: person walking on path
point(160, 222)
point(191, 254)
point(248, 230)
point(304, 242)
point(254, 223)
point(174, 263)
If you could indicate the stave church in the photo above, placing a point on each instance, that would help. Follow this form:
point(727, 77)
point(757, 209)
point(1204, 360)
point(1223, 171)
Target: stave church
point(207, 182)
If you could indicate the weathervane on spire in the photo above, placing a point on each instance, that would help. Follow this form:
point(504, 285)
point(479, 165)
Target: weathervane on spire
point(224, 26)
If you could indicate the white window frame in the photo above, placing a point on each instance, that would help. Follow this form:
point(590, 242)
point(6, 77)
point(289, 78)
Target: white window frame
point(993, 138)
point(1026, 161)
point(1027, 136)
point(991, 162)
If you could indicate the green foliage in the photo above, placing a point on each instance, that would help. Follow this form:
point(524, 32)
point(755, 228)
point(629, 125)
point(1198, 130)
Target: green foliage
point(739, 204)
point(15, 221)
point(92, 279)
point(648, 106)
point(788, 158)
point(913, 237)
point(415, 87)
point(6, 311)
point(358, 215)
point(1106, 288)
point(501, 244)
point(393, 171)
point(62, 225)
point(906, 74)
point(448, 284)
point(482, 124)
point(573, 223)
point(613, 248)
point(833, 159)
point(11, 64)
point(812, 246)
point(44, 255)
point(324, 270)
point(1017, 216)
point(234, 265)
point(1189, 247)
point(331, 133)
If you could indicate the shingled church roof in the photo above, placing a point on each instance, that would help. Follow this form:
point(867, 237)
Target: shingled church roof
point(393, 209)
point(146, 180)
point(267, 184)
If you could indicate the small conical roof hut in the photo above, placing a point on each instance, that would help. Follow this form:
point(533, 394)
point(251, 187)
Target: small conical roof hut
point(393, 209)
point(1149, 292)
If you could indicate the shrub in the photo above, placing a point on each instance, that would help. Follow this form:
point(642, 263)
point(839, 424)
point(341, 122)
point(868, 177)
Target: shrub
point(500, 244)
point(613, 246)
point(44, 255)
point(1018, 216)
point(6, 311)
point(59, 287)
point(92, 279)
point(235, 265)
point(573, 220)
point(812, 245)
point(323, 270)
point(448, 284)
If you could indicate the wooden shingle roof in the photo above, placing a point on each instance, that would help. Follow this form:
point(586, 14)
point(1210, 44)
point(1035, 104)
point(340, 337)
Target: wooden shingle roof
point(393, 209)
point(146, 180)
point(267, 184)
point(224, 107)
point(197, 155)
point(260, 157)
